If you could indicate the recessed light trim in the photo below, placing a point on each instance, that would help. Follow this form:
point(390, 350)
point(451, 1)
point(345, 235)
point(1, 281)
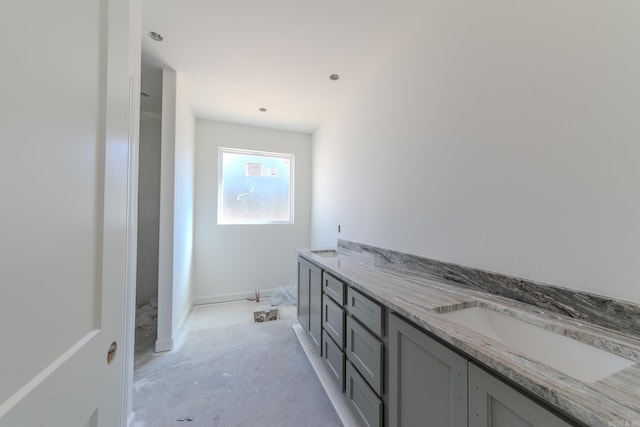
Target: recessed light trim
point(334, 77)
point(155, 36)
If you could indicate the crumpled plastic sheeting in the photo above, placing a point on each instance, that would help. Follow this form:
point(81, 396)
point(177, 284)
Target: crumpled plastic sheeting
point(284, 295)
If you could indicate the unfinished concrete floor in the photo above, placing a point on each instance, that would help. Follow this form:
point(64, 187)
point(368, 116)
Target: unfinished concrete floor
point(229, 371)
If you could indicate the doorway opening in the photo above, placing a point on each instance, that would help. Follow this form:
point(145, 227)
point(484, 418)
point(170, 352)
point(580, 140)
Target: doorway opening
point(148, 207)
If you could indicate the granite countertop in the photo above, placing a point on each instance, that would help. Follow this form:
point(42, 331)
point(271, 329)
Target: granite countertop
point(421, 297)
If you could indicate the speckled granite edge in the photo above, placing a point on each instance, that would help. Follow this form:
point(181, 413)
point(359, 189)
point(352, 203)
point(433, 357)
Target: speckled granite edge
point(621, 316)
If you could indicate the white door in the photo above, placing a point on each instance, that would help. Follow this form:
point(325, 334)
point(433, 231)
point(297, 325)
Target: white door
point(65, 150)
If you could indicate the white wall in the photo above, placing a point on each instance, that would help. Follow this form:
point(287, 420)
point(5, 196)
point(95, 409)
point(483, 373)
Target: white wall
point(231, 261)
point(148, 207)
point(500, 135)
point(183, 207)
point(175, 281)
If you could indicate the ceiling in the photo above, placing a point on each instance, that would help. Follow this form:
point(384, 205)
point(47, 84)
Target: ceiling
point(242, 55)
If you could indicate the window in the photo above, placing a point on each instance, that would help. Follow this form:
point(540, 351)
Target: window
point(255, 187)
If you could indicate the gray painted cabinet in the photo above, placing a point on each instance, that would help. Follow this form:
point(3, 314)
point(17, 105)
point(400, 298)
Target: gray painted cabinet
point(431, 385)
point(315, 305)
point(368, 312)
point(304, 276)
point(333, 320)
point(365, 351)
point(333, 327)
point(333, 288)
point(427, 381)
point(493, 403)
point(366, 405)
point(334, 358)
point(310, 300)
point(365, 355)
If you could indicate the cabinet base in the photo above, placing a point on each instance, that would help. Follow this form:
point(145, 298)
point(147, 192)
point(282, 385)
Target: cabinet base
point(336, 397)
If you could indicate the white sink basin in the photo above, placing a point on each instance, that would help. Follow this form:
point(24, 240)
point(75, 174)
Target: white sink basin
point(326, 253)
point(579, 360)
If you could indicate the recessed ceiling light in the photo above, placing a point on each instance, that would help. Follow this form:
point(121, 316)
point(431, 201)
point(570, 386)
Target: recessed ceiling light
point(333, 77)
point(262, 110)
point(155, 36)
point(144, 94)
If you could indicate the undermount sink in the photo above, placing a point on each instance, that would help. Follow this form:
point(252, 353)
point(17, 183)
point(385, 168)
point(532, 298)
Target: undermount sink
point(577, 359)
point(327, 253)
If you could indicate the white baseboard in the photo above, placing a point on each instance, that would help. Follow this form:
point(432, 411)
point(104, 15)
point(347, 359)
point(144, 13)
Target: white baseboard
point(169, 344)
point(212, 299)
point(178, 337)
point(183, 321)
point(337, 398)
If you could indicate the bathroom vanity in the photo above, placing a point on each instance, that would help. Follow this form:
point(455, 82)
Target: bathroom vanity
point(409, 339)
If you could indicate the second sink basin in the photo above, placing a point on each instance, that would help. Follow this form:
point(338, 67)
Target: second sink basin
point(577, 359)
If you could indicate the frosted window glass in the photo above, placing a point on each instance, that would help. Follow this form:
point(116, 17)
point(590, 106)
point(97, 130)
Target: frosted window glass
point(255, 187)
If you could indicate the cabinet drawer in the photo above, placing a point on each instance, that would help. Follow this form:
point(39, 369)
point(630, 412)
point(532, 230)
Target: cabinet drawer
point(333, 320)
point(369, 313)
point(334, 288)
point(333, 357)
point(365, 351)
point(364, 402)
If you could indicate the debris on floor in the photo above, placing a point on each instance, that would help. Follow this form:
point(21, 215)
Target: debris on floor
point(256, 296)
point(185, 419)
point(147, 316)
point(221, 350)
point(265, 315)
point(284, 295)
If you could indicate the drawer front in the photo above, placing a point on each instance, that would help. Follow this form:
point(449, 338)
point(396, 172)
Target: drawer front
point(365, 351)
point(334, 358)
point(333, 317)
point(334, 288)
point(369, 313)
point(364, 402)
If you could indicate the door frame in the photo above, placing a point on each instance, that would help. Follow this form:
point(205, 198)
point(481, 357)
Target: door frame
point(135, 51)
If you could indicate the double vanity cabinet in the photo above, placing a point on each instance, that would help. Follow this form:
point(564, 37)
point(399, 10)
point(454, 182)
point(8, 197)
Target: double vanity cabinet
point(393, 373)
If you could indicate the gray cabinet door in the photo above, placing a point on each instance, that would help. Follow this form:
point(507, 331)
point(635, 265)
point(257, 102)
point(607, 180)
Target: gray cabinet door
point(427, 381)
point(493, 403)
point(303, 293)
point(315, 305)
